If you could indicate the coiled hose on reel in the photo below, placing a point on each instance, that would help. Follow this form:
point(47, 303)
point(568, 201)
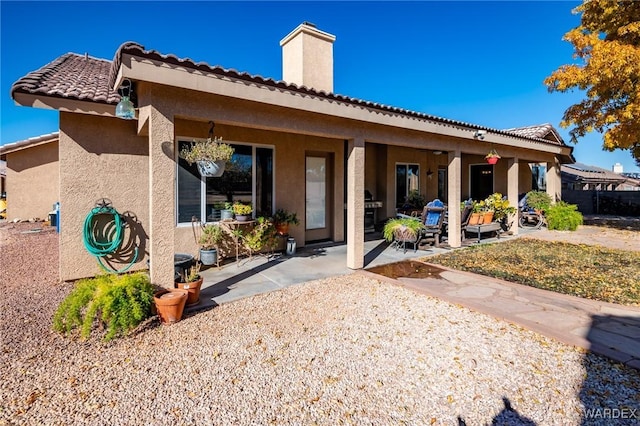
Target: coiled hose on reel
point(106, 239)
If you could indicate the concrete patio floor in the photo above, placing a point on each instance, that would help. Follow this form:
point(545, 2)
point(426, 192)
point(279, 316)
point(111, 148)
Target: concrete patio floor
point(262, 274)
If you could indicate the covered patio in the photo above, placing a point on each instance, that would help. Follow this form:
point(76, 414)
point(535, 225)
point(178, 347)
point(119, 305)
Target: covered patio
point(262, 274)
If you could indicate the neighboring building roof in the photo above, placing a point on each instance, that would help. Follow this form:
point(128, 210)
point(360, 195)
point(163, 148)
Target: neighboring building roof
point(28, 143)
point(632, 175)
point(584, 173)
point(71, 76)
point(79, 77)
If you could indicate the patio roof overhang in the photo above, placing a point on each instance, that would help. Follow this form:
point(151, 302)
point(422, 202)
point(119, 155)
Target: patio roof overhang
point(135, 63)
point(157, 72)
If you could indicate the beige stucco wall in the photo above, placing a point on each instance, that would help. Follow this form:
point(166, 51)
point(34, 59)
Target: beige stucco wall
point(525, 177)
point(32, 181)
point(100, 158)
point(289, 170)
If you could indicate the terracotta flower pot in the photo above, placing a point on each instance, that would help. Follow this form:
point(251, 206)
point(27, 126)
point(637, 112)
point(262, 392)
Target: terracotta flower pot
point(487, 217)
point(282, 228)
point(193, 288)
point(170, 304)
point(475, 218)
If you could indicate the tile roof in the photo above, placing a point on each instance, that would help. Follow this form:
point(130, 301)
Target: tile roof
point(36, 140)
point(540, 131)
point(71, 76)
point(86, 78)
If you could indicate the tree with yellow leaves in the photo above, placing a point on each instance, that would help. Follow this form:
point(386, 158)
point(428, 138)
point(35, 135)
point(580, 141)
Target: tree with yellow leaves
point(607, 47)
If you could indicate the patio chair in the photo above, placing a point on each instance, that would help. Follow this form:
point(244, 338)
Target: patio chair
point(433, 220)
point(465, 214)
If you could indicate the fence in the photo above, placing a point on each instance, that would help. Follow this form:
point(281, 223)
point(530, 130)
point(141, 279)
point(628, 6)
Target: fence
point(620, 203)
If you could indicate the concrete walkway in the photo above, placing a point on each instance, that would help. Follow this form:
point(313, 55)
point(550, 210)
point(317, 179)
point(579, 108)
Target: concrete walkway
point(604, 328)
point(607, 329)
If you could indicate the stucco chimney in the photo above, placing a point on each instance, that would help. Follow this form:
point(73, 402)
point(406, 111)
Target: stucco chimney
point(307, 57)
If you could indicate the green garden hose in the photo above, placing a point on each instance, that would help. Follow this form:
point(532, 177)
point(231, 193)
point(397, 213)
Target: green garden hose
point(101, 241)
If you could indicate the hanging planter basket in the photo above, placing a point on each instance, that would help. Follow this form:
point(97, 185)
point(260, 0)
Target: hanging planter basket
point(209, 168)
point(210, 156)
point(492, 157)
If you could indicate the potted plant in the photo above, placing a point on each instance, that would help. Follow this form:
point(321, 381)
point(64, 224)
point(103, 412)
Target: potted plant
point(209, 240)
point(227, 212)
point(191, 280)
point(211, 156)
point(487, 210)
point(416, 199)
point(492, 157)
point(242, 211)
point(262, 236)
point(501, 207)
point(216, 210)
point(404, 229)
point(170, 304)
point(282, 219)
point(476, 213)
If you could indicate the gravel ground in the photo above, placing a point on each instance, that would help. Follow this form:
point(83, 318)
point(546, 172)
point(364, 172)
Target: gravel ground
point(621, 239)
point(344, 350)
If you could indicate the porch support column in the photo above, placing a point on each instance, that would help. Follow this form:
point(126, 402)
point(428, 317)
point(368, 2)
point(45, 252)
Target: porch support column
point(454, 172)
point(161, 197)
point(512, 192)
point(554, 180)
point(355, 203)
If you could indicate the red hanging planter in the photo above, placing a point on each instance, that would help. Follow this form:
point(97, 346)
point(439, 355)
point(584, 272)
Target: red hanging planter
point(492, 157)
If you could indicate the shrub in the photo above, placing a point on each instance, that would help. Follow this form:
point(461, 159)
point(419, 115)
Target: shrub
point(563, 217)
point(120, 302)
point(263, 235)
point(538, 200)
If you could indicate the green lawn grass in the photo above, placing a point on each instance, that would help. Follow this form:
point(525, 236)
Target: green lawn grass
point(581, 270)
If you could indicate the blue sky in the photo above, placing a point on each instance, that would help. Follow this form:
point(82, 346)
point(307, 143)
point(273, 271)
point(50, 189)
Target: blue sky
point(479, 62)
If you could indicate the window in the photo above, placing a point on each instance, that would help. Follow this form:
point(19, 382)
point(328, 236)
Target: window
point(407, 180)
point(247, 178)
point(443, 184)
point(538, 177)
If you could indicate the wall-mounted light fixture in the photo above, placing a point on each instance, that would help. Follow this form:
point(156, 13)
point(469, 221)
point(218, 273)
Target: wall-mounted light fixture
point(429, 173)
point(479, 134)
point(125, 108)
